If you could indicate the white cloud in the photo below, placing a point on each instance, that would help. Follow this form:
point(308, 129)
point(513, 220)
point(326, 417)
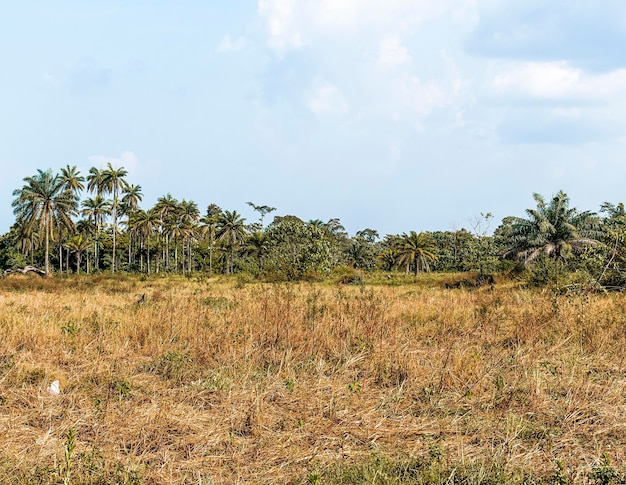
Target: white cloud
point(228, 44)
point(281, 23)
point(327, 100)
point(392, 52)
point(294, 23)
point(421, 97)
point(558, 81)
point(127, 160)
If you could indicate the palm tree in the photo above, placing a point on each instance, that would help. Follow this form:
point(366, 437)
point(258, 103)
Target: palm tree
point(25, 236)
point(72, 179)
point(415, 250)
point(96, 209)
point(77, 244)
point(95, 181)
point(130, 203)
point(189, 215)
point(146, 223)
point(208, 225)
point(113, 181)
point(257, 244)
point(232, 231)
point(553, 229)
point(167, 206)
point(131, 196)
point(44, 200)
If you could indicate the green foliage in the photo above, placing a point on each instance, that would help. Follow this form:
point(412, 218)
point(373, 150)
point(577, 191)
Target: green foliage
point(295, 248)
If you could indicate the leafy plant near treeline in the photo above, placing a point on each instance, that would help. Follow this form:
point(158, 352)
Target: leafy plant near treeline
point(108, 230)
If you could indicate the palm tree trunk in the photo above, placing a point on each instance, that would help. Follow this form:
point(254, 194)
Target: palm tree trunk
point(114, 227)
point(47, 263)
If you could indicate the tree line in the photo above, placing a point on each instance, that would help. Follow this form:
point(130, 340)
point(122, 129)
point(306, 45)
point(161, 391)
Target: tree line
point(67, 222)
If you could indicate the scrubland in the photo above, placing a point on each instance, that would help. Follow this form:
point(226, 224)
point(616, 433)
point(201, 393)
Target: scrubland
point(229, 381)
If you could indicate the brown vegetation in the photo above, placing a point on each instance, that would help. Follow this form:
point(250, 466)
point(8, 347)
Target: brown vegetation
point(219, 381)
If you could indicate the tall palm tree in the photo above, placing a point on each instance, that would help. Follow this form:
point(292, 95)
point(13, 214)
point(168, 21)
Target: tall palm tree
point(146, 223)
point(77, 244)
point(553, 229)
point(25, 236)
point(189, 215)
point(167, 207)
point(232, 231)
point(130, 203)
point(72, 179)
point(95, 181)
point(131, 196)
point(113, 182)
point(414, 250)
point(208, 225)
point(258, 245)
point(96, 209)
point(44, 200)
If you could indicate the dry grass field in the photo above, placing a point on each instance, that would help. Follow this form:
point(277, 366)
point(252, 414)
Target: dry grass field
point(224, 381)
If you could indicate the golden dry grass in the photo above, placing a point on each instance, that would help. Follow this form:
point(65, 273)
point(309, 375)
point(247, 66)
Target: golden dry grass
point(211, 381)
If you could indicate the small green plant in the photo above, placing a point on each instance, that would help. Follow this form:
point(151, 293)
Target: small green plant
point(314, 478)
point(355, 387)
point(290, 385)
point(122, 389)
point(70, 328)
point(68, 447)
point(171, 365)
point(603, 472)
point(559, 477)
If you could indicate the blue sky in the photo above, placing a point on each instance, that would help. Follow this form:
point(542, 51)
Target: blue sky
point(397, 115)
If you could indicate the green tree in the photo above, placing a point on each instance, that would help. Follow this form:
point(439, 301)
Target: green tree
point(131, 197)
point(415, 250)
point(231, 230)
point(146, 224)
point(189, 215)
point(96, 209)
point(263, 210)
point(77, 244)
point(552, 229)
point(167, 207)
point(114, 182)
point(44, 200)
point(208, 224)
point(296, 247)
point(257, 245)
point(72, 179)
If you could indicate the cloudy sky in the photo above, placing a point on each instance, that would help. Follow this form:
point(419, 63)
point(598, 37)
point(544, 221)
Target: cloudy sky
point(397, 115)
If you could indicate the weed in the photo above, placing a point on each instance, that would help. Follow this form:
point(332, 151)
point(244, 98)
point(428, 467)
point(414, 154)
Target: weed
point(122, 390)
point(68, 450)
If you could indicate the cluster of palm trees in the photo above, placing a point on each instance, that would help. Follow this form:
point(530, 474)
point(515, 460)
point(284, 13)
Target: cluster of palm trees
point(174, 235)
point(47, 205)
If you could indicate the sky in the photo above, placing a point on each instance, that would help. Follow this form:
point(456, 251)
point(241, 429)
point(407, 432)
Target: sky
point(396, 115)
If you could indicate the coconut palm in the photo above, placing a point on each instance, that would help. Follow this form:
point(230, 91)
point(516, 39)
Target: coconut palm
point(44, 200)
point(189, 215)
point(553, 229)
point(414, 250)
point(130, 203)
point(232, 231)
point(146, 223)
point(77, 244)
point(95, 181)
point(113, 182)
point(96, 209)
point(208, 225)
point(167, 207)
point(72, 179)
point(258, 245)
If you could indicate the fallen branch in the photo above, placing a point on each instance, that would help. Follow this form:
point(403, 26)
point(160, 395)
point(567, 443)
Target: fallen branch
point(24, 270)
